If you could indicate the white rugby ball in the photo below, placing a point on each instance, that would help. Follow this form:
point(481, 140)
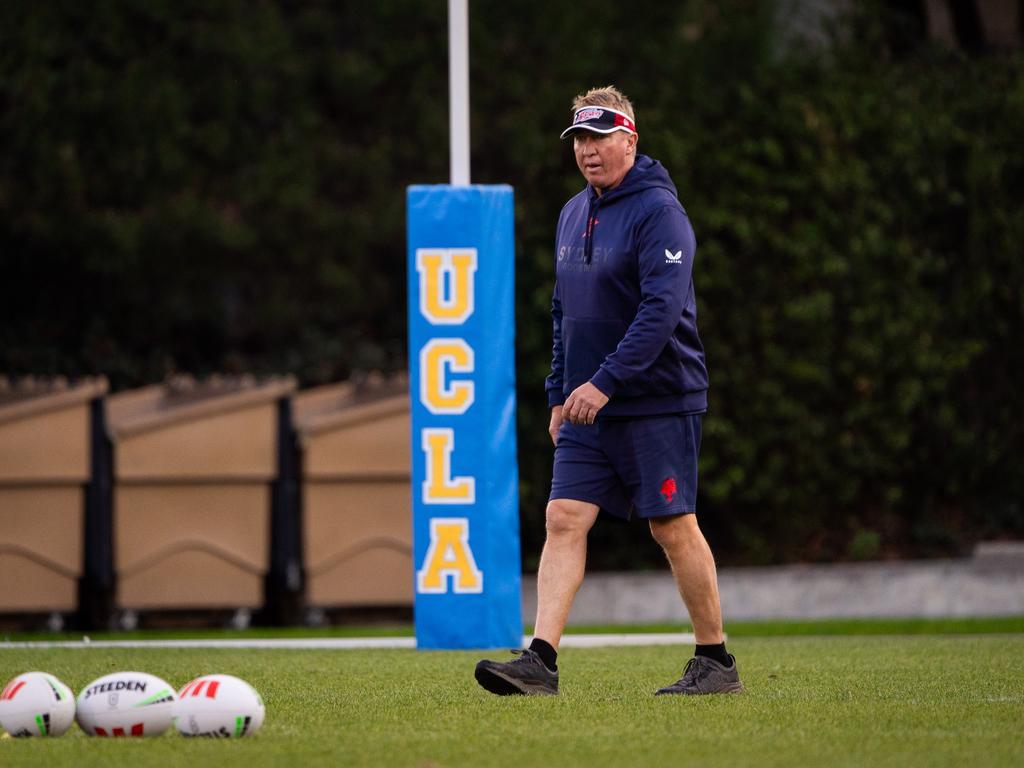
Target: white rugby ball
point(36, 704)
point(220, 706)
point(126, 704)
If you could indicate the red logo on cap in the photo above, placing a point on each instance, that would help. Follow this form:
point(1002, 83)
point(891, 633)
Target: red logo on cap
point(587, 114)
point(668, 488)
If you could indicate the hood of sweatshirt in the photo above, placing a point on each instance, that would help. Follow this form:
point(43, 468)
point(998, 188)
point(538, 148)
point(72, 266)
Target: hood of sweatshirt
point(646, 173)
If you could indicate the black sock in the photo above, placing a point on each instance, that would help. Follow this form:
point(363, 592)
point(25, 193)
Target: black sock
point(546, 652)
point(716, 652)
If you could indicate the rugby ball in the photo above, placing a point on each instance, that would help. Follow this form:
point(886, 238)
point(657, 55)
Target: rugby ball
point(36, 704)
point(220, 706)
point(126, 704)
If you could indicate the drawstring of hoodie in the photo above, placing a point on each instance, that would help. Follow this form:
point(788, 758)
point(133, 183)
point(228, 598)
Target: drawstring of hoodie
point(588, 240)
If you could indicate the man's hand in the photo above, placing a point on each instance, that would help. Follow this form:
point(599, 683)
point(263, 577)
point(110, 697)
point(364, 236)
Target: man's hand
point(556, 422)
point(582, 405)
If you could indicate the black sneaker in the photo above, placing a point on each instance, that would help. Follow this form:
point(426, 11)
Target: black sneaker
point(526, 675)
point(703, 675)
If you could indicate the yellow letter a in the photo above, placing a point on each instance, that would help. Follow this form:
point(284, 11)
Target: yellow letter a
point(449, 555)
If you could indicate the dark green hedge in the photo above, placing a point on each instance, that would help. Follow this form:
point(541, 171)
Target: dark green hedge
point(863, 305)
point(219, 186)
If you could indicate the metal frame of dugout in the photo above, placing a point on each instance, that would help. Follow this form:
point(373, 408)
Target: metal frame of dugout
point(355, 496)
point(54, 502)
point(204, 500)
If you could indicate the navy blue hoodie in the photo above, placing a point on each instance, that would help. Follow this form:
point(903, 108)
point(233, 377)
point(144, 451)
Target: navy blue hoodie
point(624, 310)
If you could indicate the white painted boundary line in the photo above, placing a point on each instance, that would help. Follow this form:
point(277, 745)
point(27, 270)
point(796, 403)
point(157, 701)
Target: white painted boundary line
point(639, 638)
point(297, 643)
point(350, 643)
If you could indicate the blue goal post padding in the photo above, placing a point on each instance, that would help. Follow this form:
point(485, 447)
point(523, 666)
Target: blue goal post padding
point(465, 480)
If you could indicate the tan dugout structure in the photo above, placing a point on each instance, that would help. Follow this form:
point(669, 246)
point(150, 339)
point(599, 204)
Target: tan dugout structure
point(46, 433)
point(356, 506)
point(194, 473)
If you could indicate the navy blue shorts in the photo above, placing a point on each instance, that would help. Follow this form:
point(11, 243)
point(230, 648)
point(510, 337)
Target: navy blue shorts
point(644, 467)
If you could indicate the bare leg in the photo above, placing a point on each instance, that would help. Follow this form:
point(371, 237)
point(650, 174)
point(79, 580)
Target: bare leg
point(562, 563)
point(693, 566)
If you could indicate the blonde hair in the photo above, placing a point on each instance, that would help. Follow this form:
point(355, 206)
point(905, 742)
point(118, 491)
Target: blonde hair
point(607, 96)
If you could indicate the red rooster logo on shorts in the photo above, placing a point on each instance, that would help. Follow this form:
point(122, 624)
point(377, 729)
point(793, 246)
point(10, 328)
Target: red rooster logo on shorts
point(668, 488)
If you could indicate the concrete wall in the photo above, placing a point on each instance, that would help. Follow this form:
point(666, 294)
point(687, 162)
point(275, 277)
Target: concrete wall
point(989, 584)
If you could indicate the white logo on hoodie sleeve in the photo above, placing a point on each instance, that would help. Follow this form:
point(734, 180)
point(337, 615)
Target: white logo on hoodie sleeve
point(673, 258)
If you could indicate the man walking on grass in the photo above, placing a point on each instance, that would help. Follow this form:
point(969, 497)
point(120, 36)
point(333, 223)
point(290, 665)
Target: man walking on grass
point(627, 389)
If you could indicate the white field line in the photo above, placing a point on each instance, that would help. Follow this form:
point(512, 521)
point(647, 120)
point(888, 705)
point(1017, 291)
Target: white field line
point(638, 638)
point(350, 643)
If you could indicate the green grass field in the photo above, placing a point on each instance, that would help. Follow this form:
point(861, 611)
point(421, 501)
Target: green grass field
point(836, 699)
